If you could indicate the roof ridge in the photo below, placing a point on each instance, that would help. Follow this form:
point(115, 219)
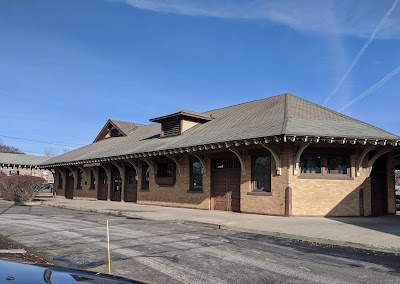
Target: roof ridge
point(342, 115)
point(126, 121)
point(246, 102)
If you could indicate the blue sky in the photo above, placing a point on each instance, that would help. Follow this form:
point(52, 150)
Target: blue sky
point(67, 66)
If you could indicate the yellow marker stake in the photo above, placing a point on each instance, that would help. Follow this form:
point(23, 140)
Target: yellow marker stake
point(108, 245)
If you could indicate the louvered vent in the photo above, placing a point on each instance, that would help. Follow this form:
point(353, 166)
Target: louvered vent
point(171, 128)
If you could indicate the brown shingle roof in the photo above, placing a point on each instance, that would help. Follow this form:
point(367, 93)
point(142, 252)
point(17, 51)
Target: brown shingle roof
point(22, 159)
point(273, 116)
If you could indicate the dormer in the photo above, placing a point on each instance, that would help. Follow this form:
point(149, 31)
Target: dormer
point(115, 128)
point(177, 123)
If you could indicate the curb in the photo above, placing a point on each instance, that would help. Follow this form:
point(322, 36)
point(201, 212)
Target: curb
point(361, 246)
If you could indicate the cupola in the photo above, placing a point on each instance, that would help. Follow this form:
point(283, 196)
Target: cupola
point(177, 123)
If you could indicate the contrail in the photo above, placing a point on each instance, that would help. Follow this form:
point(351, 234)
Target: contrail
point(373, 88)
point(361, 52)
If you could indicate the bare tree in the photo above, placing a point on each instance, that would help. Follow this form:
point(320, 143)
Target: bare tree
point(50, 152)
point(9, 149)
point(65, 150)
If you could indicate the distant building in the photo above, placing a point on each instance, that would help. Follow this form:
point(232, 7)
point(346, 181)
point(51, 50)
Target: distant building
point(22, 164)
point(280, 155)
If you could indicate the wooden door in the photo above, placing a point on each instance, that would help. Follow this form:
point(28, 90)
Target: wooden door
point(130, 186)
point(226, 189)
point(115, 194)
point(69, 187)
point(103, 187)
point(379, 206)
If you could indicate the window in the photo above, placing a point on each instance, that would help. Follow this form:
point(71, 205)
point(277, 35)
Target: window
point(92, 181)
point(334, 164)
point(165, 168)
point(165, 172)
point(145, 177)
point(196, 176)
point(14, 173)
point(117, 181)
point(311, 164)
point(79, 179)
point(60, 181)
point(261, 173)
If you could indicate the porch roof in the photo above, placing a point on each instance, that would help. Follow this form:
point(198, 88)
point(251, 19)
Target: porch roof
point(21, 159)
point(274, 118)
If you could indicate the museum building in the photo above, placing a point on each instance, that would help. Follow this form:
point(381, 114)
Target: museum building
point(281, 155)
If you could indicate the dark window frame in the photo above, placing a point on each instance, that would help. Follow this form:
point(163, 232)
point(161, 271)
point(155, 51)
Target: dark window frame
point(162, 177)
point(145, 178)
point(192, 176)
point(60, 181)
point(80, 180)
point(92, 181)
point(325, 154)
point(268, 173)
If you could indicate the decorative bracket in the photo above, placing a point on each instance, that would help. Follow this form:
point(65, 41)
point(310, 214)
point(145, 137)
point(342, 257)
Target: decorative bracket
point(178, 164)
point(362, 157)
point(203, 161)
point(133, 163)
point(241, 157)
point(298, 155)
point(150, 163)
point(275, 154)
point(375, 157)
point(82, 170)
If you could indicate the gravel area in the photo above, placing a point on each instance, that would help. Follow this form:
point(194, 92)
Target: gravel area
point(21, 257)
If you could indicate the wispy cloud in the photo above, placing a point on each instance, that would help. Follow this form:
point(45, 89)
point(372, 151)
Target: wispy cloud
point(353, 18)
point(361, 52)
point(372, 89)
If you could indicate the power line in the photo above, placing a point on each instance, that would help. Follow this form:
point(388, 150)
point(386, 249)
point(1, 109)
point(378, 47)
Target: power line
point(41, 141)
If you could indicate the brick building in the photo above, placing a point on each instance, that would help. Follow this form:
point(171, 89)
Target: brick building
point(22, 164)
point(279, 156)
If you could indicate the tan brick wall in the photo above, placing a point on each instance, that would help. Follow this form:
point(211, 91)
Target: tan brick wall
point(270, 205)
point(330, 197)
point(178, 195)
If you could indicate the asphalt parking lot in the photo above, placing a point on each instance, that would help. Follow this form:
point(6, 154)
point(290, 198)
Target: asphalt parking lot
point(168, 252)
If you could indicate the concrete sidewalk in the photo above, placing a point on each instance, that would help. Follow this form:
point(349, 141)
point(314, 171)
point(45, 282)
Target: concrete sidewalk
point(375, 233)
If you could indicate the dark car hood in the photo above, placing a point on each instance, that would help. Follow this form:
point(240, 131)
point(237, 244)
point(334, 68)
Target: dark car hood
point(13, 273)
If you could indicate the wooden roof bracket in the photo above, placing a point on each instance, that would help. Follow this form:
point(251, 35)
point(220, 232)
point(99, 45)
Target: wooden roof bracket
point(150, 163)
point(275, 154)
point(121, 168)
point(203, 161)
point(178, 164)
point(63, 174)
point(107, 170)
point(241, 157)
point(133, 163)
point(361, 159)
point(82, 170)
point(74, 174)
point(303, 146)
point(375, 157)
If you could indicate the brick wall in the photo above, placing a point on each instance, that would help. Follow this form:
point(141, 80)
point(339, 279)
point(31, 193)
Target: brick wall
point(178, 195)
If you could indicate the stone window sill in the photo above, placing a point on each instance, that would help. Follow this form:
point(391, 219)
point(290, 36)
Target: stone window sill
point(260, 193)
point(326, 177)
point(195, 191)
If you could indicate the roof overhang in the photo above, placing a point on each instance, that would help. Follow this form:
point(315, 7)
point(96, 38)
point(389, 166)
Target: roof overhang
point(234, 143)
